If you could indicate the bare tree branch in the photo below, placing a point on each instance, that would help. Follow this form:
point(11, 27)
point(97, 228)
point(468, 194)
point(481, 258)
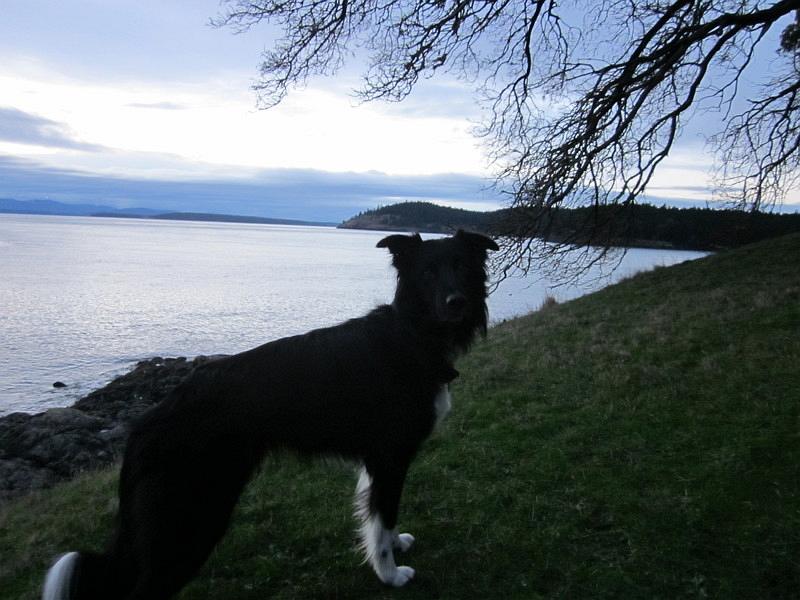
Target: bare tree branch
point(583, 101)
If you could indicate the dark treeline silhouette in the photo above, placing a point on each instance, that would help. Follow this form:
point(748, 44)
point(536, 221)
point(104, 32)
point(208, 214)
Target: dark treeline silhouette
point(629, 225)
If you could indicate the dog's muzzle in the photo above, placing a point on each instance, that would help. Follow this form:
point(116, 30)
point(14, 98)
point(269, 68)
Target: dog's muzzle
point(455, 306)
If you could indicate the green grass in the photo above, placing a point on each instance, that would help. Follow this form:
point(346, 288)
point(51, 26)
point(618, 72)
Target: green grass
point(640, 442)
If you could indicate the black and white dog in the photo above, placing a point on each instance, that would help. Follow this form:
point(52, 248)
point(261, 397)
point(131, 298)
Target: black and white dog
point(369, 390)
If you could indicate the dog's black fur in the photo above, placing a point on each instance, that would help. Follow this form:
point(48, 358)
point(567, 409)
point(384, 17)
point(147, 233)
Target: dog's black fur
point(364, 390)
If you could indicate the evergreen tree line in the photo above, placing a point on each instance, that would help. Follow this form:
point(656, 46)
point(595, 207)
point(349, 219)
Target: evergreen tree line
point(627, 225)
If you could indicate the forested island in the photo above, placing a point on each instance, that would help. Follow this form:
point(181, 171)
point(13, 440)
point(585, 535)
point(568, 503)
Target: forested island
point(636, 225)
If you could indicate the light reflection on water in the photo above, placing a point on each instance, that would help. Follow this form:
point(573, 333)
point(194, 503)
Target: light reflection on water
point(82, 299)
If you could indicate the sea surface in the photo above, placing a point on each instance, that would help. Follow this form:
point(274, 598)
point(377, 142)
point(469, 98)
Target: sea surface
point(82, 299)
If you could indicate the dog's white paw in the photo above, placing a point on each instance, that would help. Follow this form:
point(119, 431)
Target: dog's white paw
point(400, 577)
point(403, 541)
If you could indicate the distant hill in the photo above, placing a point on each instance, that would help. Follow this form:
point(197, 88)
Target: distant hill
point(182, 216)
point(637, 225)
point(51, 207)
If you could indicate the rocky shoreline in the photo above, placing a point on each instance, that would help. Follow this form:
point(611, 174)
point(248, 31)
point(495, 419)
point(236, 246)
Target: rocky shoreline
point(37, 451)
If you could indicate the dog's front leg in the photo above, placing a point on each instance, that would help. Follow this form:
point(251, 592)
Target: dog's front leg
point(377, 502)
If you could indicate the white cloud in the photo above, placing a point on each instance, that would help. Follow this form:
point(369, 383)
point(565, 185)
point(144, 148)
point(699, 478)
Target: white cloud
point(157, 105)
point(685, 174)
point(688, 174)
point(23, 128)
point(216, 123)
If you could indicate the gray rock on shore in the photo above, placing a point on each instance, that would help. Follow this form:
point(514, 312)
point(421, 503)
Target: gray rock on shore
point(39, 450)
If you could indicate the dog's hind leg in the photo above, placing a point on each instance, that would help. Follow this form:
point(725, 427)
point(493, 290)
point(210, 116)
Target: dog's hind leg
point(377, 502)
point(173, 512)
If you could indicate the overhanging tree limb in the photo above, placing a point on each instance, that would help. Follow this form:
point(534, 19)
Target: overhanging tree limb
point(582, 101)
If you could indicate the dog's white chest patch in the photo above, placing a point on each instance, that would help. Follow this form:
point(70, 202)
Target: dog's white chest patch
point(442, 404)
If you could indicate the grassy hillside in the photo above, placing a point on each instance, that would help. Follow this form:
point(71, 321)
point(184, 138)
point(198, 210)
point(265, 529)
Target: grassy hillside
point(641, 442)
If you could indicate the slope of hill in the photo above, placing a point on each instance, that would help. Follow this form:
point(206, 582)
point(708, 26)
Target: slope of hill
point(53, 208)
point(639, 442)
point(423, 217)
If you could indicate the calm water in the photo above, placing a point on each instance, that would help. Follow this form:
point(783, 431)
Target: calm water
point(82, 299)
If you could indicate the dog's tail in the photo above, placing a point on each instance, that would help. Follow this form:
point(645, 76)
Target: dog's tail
point(83, 576)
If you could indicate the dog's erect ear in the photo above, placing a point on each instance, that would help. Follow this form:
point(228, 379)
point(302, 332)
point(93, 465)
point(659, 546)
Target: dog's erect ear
point(476, 240)
point(400, 245)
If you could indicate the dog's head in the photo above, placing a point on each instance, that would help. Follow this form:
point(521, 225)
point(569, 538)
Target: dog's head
point(442, 281)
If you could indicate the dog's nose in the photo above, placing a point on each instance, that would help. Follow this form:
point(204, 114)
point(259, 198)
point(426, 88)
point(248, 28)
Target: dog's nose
point(456, 302)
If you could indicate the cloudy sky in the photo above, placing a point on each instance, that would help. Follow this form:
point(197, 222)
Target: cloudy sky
point(141, 103)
